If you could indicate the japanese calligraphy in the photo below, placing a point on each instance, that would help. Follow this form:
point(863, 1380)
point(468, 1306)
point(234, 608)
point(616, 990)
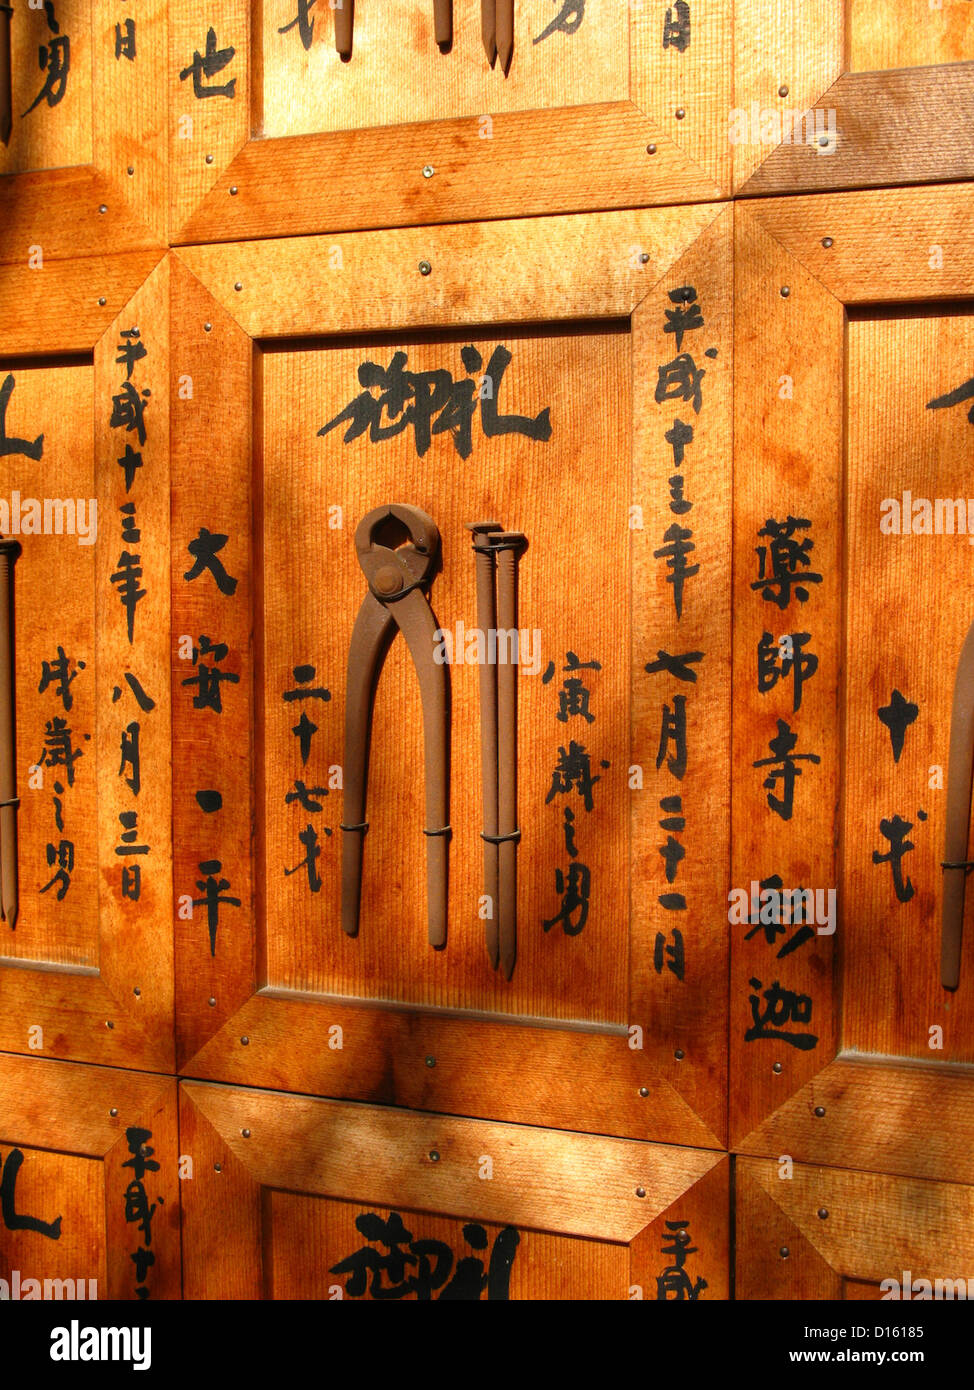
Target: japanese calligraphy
point(674, 1284)
point(395, 1265)
point(54, 59)
point(139, 1210)
point(573, 772)
point(432, 403)
point(12, 1218)
point(9, 444)
point(783, 767)
point(783, 564)
point(676, 30)
point(774, 1007)
point(898, 715)
point(958, 396)
point(210, 64)
point(566, 21)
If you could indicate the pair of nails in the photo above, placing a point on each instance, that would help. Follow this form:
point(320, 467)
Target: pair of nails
point(497, 554)
point(345, 24)
point(497, 30)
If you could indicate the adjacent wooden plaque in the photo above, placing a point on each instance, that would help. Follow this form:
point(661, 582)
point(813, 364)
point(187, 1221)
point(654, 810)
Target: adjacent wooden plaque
point(853, 372)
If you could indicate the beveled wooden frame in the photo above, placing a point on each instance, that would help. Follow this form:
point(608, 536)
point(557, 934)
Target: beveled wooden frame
point(665, 144)
point(119, 1013)
point(102, 208)
point(799, 262)
point(901, 126)
point(244, 1141)
point(85, 1111)
point(236, 1029)
point(810, 1233)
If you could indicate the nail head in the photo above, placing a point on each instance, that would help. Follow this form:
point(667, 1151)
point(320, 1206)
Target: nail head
point(233, 190)
point(434, 1156)
point(103, 209)
point(826, 241)
point(782, 90)
point(650, 149)
point(785, 291)
point(640, 1192)
point(101, 300)
point(113, 1112)
point(680, 113)
point(644, 1091)
point(431, 1061)
point(428, 171)
point(244, 1040)
point(425, 268)
point(238, 286)
point(245, 1133)
point(211, 1002)
point(776, 1067)
point(823, 1213)
point(207, 328)
point(679, 1054)
point(819, 1111)
point(784, 1252)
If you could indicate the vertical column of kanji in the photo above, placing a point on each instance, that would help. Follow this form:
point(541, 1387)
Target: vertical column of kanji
point(680, 520)
point(129, 53)
point(787, 635)
point(212, 663)
point(209, 98)
point(142, 1203)
point(132, 714)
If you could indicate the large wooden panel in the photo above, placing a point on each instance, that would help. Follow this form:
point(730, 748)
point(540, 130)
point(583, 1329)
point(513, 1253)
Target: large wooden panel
point(300, 1198)
point(91, 1203)
point(638, 328)
point(84, 488)
point(569, 495)
point(842, 733)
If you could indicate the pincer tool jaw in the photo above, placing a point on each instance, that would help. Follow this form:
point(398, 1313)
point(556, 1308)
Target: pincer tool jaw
point(392, 574)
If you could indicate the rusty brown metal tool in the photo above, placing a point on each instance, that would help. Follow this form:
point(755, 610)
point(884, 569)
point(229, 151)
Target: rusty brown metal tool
point(504, 32)
point(398, 581)
point(344, 27)
point(443, 22)
point(960, 775)
point(487, 623)
point(508, 546)
point(6, 81)
point(9, 550)
point(488, 28)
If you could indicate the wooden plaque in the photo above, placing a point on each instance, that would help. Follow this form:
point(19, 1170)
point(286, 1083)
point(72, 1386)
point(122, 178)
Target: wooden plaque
point(86, 967)
point(845, 1047)
point(615, 334)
